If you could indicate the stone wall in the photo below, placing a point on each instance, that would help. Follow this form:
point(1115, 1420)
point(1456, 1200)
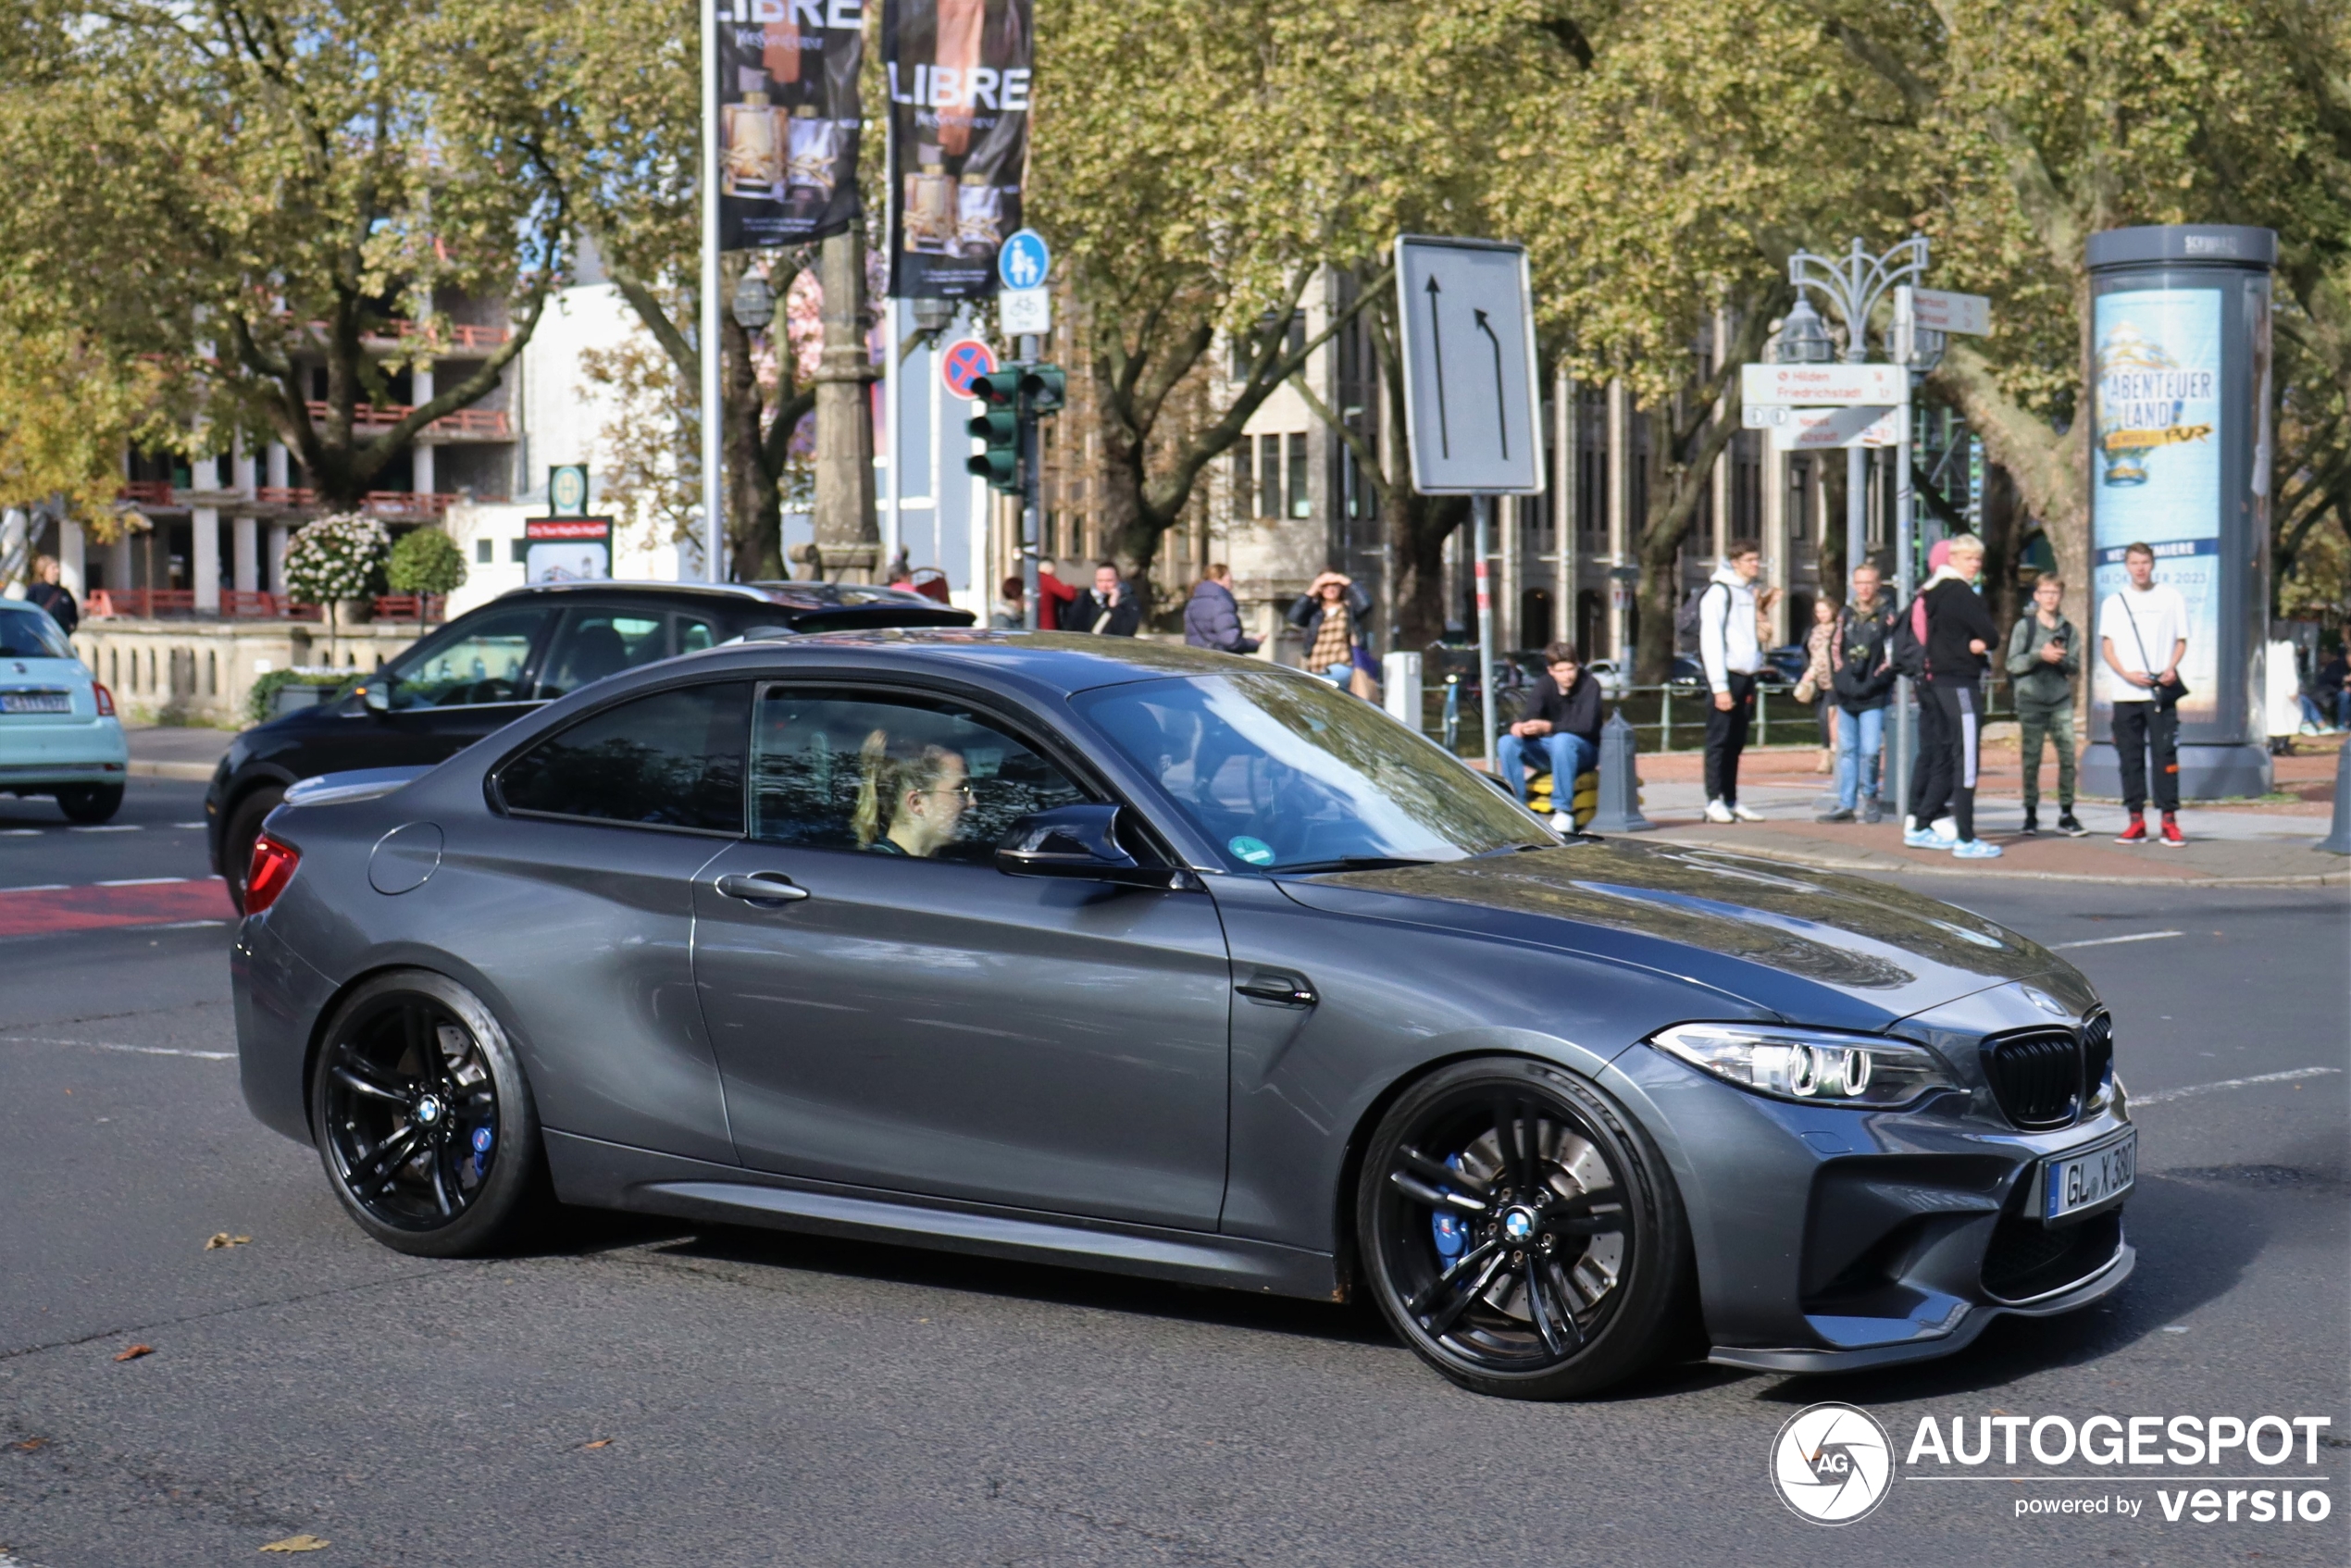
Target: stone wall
point(199, 671)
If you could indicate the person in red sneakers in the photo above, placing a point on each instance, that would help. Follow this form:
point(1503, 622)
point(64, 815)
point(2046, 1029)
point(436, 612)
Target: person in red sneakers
point(2143, 634)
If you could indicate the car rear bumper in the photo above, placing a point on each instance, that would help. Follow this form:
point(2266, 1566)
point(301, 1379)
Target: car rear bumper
point(72, 750)
point(278, 999)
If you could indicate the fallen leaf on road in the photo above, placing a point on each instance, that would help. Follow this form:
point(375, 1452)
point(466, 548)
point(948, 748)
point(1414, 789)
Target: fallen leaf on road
point(31, 1443)
point(134, 1352)
point(298, 1543)
point(601, 1443)
point(223, 1238)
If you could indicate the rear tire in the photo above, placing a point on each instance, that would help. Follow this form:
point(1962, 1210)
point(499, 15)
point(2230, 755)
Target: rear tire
point(424, 1121)
point(89, 803)
point(236, 841)
point(1521, 1232)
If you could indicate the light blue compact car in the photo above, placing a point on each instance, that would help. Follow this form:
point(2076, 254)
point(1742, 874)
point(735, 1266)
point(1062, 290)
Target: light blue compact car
point(58, 732)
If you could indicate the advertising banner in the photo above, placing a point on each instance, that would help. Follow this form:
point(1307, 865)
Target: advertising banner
point(958, 75)
point(789, 120)
point(566, 549)
point(2155, 469)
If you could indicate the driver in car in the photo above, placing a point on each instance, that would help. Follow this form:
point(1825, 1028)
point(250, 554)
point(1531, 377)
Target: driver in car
point(923, 797)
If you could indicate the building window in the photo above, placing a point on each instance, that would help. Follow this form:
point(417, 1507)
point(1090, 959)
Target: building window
point(483, 551)
point(521, 550)
point(1269, 476)
point(1301, 501)
point(1244, 479)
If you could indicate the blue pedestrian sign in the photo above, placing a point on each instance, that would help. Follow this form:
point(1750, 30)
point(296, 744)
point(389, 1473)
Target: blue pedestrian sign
point(1025, 260)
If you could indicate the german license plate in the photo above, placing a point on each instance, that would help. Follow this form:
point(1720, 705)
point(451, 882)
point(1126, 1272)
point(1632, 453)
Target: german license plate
point(36, 702)
point(2090, 1179)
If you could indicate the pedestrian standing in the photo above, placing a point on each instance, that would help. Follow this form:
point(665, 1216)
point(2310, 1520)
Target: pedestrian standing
point(1959, 634)
point(1926, 823)
point(1816, 686)
point(1012, 608)
point(1559, 721)
point(1861, 660)
point(2045, 655)
point(2143, 634)
point(1212, 616)
point(1052, 593)
point(1109, 609)
point(52, 595)
point(1335, 618)
point(1730, 641)
point(2331, 687)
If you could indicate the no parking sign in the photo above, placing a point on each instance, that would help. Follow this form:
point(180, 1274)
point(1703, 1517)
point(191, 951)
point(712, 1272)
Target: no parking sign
point(963, 362)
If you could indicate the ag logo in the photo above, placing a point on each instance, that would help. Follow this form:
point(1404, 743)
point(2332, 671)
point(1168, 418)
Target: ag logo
point(1832, 1464)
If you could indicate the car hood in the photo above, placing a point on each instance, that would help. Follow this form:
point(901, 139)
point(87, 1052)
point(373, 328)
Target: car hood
point(1812, 947)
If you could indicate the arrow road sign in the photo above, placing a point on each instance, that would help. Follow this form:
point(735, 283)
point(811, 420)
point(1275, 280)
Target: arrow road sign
point(1816, 386)
point(1455, 296)
point(1939, 310)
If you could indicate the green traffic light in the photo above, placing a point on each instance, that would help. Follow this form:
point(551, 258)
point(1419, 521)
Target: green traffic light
point(998, 424)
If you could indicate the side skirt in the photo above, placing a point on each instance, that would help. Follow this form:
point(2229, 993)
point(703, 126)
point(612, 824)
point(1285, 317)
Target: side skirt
point(593, 1174)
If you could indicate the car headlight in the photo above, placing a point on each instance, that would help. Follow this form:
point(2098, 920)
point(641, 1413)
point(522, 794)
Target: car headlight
point(1812, 1066)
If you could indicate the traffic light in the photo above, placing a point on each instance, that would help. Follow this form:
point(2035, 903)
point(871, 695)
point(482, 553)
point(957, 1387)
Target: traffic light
point(999, 425)
point(1045, 388)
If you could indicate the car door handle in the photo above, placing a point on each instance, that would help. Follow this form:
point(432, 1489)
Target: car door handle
point(1278, 985)
point(761, 887)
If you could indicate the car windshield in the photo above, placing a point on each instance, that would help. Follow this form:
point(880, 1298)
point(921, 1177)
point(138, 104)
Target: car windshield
point(30, 634)
point(1286, 774)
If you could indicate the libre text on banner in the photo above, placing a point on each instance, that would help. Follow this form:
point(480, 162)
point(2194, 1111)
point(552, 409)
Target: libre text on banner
point(958, 76)
point(789, 120)
point(2156, 466)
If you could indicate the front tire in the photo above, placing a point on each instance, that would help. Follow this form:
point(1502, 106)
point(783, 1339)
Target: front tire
point(1521, 1232)
point(89, 803)
point(423, 1120)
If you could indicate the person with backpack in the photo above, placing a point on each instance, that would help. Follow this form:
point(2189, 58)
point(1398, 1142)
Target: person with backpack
point(2045, 655)
point(1959, 634)
point(1729, 613)
point(1861, 682)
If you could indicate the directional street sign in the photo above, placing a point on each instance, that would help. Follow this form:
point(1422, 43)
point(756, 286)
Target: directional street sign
point(1822, 386)
point(1939, 310)
point(1023, 311)
point(1820, 430)
point(964, 360)
point(1025, 261)
point(1473, 412)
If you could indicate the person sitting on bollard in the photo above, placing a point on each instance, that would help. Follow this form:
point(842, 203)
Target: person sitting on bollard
point(1562, 719)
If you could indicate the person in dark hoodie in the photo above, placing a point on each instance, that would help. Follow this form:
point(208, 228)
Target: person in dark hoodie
point(1212, 616)
point(1959, 634)
point(1561, 724)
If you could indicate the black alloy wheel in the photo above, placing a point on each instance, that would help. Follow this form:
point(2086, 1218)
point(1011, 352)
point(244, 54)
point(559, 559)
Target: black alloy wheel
point(1520, 1232)
point(422, 1117)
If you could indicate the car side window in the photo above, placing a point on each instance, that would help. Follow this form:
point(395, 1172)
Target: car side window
point(694, 634)
point(594, 644)
point(475, 662)
point(674, 759)
point(892, 775)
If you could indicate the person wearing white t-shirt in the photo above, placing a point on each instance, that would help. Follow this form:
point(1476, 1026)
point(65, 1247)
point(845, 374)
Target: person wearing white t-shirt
point(2143, 634)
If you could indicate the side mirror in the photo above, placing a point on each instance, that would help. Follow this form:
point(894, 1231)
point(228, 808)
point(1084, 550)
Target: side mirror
point(376, 692)
point(1080, 840)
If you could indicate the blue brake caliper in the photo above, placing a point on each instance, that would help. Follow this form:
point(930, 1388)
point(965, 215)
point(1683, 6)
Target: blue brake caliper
point(1453, 1229)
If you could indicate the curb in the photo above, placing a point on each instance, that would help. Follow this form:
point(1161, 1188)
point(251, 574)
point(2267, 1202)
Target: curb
point(1978, 869)
point(190, 772)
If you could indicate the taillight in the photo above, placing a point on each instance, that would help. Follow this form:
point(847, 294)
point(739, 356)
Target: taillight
point(273, 867)
point(104, 698)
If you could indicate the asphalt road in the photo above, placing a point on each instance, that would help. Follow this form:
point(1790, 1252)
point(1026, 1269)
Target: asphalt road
point(647, 1394)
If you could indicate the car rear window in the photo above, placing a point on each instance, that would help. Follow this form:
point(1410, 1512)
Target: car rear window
point(29, 633)
point(674, 759)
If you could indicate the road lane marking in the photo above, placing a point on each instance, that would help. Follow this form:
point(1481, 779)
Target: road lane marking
point(109, 828)
point(113, 1045)
point(2111, 942)
point(141, 881)
point(2160, 1096)
point(38, 887)
point(191, 824)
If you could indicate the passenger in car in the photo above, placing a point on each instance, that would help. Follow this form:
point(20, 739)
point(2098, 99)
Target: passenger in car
point(924, 797)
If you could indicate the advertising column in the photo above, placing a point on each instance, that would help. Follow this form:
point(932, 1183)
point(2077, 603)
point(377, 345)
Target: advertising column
point(2180, 462)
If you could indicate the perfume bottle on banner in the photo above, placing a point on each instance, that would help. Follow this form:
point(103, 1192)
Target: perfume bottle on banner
point(753, 135)
point(980, 218)
point(930, 210)
point(815, 153)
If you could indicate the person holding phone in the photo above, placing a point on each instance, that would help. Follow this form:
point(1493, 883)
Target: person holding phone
point(2045, 655)
point(2143, 635)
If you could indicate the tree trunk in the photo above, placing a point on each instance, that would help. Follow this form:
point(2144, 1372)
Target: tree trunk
point(754, 510)
point(1418, 526)
point(2003, 526)
point(847, 546)
point(1836, 574)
